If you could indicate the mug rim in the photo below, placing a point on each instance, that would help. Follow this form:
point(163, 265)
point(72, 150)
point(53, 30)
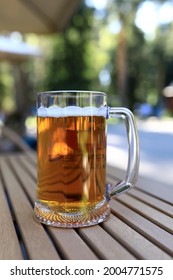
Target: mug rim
point(63, 92)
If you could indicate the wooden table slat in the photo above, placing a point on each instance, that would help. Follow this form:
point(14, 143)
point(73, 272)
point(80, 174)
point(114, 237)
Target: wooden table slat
point(135, 242)
point(140, 226)
point(154, 188)
point(152, 201)
point(35, 239)
point(7, 232)
point(71, 245)
point(102, 243)
point(152, 232)
point(150, 213)
point(30, 166)
point(28, 183)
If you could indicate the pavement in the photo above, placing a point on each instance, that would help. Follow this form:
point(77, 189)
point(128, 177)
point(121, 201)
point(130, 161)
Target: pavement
point(156, 148)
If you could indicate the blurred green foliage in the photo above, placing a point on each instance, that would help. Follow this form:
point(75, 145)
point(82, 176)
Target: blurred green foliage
point(68, 65)
point(89, 55)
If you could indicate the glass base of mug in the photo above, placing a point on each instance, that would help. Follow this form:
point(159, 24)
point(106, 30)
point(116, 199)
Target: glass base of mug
point(82, 218)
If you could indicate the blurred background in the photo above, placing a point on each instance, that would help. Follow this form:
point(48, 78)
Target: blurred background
point(124, 48)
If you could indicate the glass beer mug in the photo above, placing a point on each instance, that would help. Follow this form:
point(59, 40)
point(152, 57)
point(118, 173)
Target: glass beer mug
point(71, 135)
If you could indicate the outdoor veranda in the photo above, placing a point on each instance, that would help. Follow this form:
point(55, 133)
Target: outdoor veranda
point(140, 225)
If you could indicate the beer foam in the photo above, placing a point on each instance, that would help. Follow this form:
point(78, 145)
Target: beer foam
point(71, 111)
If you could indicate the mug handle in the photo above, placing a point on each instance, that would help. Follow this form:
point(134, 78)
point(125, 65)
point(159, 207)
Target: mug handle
point(133, 152)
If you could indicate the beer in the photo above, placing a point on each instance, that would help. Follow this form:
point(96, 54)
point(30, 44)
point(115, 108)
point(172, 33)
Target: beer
point(71, 164)
point(71, 138)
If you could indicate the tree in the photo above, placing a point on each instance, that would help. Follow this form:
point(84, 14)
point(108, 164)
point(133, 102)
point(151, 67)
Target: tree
point(130, 53)
point(68, 64)
point(86, 48)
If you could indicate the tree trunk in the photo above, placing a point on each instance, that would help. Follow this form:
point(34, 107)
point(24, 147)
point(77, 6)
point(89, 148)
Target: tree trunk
point(121, 61)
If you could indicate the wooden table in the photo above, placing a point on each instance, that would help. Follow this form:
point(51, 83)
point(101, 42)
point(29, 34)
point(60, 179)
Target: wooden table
point(140, 226)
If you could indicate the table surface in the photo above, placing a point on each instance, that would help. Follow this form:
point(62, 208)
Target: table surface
point(140, 225)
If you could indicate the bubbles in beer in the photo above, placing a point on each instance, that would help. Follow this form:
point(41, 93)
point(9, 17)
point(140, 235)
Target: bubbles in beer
point(71, 111)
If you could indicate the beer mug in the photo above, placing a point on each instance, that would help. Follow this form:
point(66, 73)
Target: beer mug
point(71, 147)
